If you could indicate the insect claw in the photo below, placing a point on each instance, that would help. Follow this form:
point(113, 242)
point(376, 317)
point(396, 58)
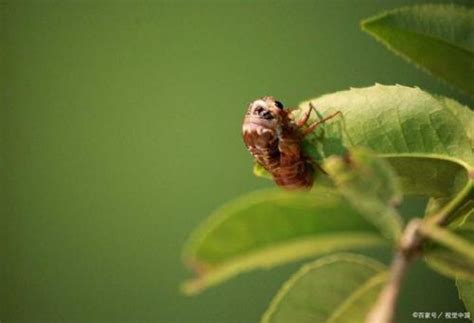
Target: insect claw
point(320, 168)
point(303, 121)
point(313, 126)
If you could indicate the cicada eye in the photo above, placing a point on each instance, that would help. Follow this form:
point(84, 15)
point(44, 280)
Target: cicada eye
point(279, 105)
point(259, 110)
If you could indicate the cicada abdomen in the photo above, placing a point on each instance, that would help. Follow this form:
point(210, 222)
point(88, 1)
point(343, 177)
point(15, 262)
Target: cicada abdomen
point(274, 140)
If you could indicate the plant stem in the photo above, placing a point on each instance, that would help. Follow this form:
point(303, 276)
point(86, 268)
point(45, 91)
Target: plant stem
point(384, 310)
point(448, 239)
point(465, 196)
point(409, 250)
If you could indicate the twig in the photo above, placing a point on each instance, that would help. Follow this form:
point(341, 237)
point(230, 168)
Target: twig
point(409, 250)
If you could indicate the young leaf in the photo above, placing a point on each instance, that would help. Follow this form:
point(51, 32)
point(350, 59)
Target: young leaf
point(452, 253)
point(338, 289)
point(437, 38)
point(268, 228)
point(370, 185)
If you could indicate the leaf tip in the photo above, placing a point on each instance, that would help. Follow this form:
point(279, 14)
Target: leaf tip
point(368, 24)
point(191, 287)
point(196, 284)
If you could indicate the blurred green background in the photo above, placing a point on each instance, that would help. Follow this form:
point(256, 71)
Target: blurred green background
point(121, 132)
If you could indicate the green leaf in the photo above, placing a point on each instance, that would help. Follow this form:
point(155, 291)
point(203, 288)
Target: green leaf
point(466, 293)
point(434, 176)
point(269, 228)
point(338, 288)
point(259, 171)
point(462, 113)
point(426, 139)
point(391, 120)
point(466, 286)
point(437, 38)
point(452, 253)
point(370, 184)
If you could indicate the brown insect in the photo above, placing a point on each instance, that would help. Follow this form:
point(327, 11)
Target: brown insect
point(274, 140)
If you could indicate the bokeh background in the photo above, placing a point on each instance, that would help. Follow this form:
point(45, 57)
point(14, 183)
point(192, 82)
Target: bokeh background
point(120, 132)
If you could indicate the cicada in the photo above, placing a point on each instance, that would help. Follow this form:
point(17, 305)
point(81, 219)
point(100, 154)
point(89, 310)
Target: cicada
point(274, 139)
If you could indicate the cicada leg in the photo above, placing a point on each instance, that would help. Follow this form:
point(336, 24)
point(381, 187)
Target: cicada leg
point(319, 168)
point(303, 121)
point(312, 126)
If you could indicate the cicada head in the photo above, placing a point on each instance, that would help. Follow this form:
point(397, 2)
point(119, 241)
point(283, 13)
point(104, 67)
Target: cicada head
point(262, 127)
point(264, 116)
point(266, 112)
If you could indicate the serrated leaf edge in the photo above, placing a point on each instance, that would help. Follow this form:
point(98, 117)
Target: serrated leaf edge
point(344, 257)
point(365, 22)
